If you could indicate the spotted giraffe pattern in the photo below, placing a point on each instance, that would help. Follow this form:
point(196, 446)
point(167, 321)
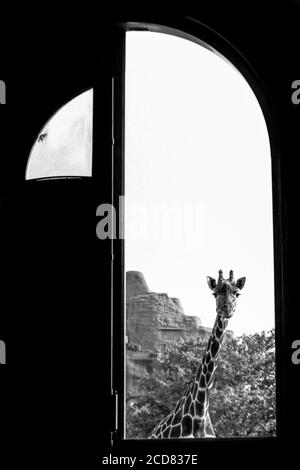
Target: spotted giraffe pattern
point(190, 417)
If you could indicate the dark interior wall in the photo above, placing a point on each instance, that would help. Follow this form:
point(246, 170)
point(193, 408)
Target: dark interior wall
point(54, 306)
point(55, 276)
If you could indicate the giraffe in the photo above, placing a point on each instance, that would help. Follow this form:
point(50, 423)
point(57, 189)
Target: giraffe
point(190, 417)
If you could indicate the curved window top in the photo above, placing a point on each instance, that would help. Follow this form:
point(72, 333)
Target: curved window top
point(197, 173)
point(64, 146)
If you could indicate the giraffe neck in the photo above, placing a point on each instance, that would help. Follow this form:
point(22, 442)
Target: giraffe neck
point(204, 377)
point(199, 388)
point(206, 371)
point(190, 418)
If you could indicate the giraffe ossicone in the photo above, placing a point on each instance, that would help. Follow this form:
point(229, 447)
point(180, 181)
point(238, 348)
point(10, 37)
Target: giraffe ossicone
point(190, 417)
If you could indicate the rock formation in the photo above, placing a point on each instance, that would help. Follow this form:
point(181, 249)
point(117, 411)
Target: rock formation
point(152, 321)
point(135, 284)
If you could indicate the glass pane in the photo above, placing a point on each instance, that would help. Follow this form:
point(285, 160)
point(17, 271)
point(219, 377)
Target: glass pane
point(64, 146)
point(198, 199)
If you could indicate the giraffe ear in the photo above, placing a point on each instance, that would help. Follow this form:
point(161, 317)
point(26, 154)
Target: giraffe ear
point(240, 282)
point(211, 282)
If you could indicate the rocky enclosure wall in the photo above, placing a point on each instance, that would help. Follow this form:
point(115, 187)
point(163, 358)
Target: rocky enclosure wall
point(152, 321)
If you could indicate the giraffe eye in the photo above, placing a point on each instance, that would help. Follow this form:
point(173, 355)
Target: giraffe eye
point(237, 294)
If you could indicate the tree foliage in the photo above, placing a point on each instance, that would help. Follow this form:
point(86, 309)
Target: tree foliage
point(242, 400)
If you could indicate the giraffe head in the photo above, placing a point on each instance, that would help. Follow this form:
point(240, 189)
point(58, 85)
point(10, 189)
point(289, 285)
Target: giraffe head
point(226, 292)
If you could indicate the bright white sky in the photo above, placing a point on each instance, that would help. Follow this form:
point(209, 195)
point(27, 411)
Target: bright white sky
point(66, 149)
point(197, 178)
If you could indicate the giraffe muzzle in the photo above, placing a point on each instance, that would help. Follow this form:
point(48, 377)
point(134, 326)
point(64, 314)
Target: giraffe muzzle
point(227, 311)
point(228, 315)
